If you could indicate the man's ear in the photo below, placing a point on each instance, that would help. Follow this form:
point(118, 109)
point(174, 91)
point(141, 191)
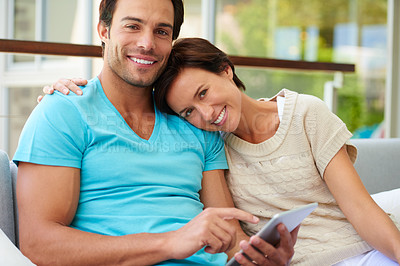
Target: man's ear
point(103, 31)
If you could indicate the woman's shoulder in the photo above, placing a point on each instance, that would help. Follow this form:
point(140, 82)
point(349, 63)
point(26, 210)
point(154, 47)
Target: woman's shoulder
point(310, 102)
point(299, 102)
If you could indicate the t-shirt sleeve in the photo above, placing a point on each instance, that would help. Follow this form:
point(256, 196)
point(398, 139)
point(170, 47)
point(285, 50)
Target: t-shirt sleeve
point(326, 132)
point(54, 134)
point(215, 152)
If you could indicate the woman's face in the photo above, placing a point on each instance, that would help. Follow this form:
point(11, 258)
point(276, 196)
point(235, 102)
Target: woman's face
point(206, 100)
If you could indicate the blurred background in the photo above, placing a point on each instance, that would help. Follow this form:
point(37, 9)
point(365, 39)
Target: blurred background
point(338, 31)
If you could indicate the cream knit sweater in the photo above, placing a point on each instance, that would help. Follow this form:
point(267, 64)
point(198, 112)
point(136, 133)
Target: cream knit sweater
point(286, 171)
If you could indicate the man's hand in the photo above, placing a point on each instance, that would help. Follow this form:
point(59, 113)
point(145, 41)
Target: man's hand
point(210, 229)
point(262, 253)
point(64, 86)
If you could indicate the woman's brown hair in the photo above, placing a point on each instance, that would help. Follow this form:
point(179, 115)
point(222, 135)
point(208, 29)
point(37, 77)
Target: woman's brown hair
point(194, 53)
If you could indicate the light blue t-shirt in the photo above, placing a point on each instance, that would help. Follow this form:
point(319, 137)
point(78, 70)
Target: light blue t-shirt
point(128, 184)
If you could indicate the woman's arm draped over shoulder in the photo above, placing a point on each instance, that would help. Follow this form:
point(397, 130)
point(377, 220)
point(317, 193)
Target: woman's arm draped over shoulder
point(64, 86)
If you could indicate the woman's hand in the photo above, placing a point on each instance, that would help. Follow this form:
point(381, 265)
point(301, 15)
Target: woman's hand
point(64, 86)
point(263, 253)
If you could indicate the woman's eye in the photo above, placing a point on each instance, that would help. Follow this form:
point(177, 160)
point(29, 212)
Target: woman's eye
point(202, 93)
point(188, 112)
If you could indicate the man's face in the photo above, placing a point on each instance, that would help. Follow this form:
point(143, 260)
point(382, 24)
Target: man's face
point(139, 40)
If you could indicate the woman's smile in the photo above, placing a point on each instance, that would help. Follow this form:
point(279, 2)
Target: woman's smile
point(221, 117)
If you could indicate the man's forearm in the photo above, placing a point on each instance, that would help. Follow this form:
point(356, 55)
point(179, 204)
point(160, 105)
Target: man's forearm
point(62, 245)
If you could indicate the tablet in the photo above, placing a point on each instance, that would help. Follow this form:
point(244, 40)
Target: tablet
point(291, 219)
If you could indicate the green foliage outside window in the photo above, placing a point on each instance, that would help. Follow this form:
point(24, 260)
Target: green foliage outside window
point(360, 101)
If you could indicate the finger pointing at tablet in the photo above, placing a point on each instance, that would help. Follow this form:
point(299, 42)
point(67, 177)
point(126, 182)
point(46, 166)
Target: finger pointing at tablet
point(210, 229)
point(233, 213)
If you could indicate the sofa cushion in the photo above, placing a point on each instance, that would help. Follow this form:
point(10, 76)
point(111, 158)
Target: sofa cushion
point(14, 170)
point(7, 218)
point(10, 254)
point(378, 163)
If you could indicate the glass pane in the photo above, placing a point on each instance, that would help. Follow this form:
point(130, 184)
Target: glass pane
point(62, 23)
point(21, 103)
point(24, 25)
point(192, 25)
point(342, 31)
point(265, 83)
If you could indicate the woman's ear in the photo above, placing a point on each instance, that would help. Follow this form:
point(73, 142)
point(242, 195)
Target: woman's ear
point(228, 71)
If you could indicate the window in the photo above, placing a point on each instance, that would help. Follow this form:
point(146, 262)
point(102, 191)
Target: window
point(24, 25)
point(192, 26)
point(23, 76)
point(44, 20)
point(340, 31)
point(21, 105)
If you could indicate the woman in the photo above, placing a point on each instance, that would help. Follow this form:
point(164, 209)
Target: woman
point(282, 152)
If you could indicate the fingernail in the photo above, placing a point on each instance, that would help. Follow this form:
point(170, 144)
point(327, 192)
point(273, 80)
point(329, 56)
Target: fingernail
point(254, 240)
point(255, 219)
point(79, 92)
point(244, 246)
point(65, 91)
point(238, 256)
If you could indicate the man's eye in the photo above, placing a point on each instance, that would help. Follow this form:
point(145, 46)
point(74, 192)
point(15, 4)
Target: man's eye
point(202, 93)
point(162, 32)
point(132, 27)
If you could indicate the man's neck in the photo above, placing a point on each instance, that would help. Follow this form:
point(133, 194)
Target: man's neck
point(135, 104)
point(126, 97)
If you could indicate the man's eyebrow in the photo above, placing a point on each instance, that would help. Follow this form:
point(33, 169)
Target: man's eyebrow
point(168, 25)
point(132, 18)
point(194, 96)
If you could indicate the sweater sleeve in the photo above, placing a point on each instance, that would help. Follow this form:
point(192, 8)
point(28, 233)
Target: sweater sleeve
point(326, 132)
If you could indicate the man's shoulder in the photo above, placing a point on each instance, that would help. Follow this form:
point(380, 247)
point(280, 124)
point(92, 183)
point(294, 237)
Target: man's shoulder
point(177, 125)
point(58, 107)
point(58, 101)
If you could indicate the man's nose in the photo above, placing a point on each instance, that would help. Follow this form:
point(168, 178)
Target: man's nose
point(146, 40)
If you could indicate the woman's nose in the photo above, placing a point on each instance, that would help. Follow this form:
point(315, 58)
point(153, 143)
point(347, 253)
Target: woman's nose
point(206, 112)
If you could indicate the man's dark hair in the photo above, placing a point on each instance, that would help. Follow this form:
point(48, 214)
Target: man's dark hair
point(194, 53)
point(107, 8)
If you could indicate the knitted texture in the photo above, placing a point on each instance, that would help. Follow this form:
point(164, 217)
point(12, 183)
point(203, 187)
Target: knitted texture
point(286, 171)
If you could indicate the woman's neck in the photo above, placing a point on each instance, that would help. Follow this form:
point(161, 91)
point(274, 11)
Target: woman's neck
point(259, 120)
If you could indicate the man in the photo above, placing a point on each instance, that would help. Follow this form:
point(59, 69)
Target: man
point(105, 178)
